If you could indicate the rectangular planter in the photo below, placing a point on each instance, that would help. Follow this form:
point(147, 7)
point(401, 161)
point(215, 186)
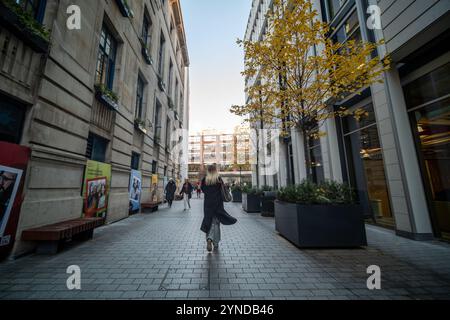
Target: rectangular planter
point(237, 196)
point(268, 203)
point(146, 55)
point(11, 21)
point(107, 101)
point(321, 226)
point(251, 202)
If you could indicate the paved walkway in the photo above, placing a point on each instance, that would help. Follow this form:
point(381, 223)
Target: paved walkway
point(163, 256)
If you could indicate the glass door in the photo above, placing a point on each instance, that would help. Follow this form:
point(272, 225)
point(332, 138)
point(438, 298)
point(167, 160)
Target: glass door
point(365, 165)
point(428, 101)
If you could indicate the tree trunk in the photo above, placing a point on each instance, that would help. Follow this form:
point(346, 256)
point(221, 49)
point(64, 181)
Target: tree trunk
point(307, 155)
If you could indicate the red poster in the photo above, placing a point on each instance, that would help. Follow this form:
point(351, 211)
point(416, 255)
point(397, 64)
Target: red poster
point(13, 165)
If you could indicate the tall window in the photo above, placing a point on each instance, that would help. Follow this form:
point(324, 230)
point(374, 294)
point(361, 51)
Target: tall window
point(170, 78)
point(154, 166)
point(146, 30)
point(106, 59)
point(162, 44)
point(168, 132)
point(316, 165)
point(139, 98)
point(158, 120)
point(176, 94)
point(96, 148)
point(135, 158)
point(334, 6)
point(12, 116)
point(35, 7)
point(350, 30)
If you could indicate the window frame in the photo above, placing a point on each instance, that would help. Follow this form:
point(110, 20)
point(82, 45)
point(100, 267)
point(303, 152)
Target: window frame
point(106, 59)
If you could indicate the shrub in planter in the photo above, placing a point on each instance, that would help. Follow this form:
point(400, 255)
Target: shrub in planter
point(23, 25)
point(139, 124)
point(269, 195)
point(236, 192)
point(106, 96)
point(251, 199)
point(320, 215)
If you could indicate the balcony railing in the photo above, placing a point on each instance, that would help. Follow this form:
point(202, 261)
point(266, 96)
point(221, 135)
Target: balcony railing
point(101, 116)
point(18, 61)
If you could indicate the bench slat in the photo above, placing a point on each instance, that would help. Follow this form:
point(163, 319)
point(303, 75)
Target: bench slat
point(61, 230)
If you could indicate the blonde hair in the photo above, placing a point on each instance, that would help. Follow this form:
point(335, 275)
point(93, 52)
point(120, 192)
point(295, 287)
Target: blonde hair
point(212, 176)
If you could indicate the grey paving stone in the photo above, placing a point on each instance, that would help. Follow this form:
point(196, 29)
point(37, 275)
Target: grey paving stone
point(135, 255)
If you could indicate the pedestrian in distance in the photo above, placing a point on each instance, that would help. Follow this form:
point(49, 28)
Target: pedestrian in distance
point(199, 190)
point(186, 192)
point(170, 192)
point(214, 212)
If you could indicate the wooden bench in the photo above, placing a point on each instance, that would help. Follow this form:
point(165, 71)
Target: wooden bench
point(50, 238)
point(152, 205)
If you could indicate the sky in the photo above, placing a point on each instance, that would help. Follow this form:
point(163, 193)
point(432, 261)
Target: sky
point(216, 61)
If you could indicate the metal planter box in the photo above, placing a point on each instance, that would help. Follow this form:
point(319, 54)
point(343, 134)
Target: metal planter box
point(268, 203)
point(251, 202)
point(321, 226)
point(237, 196)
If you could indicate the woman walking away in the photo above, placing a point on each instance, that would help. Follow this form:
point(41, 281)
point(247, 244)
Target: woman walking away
point(170, 192)
point(199, 190)
point(214, 212)
point(187, 190)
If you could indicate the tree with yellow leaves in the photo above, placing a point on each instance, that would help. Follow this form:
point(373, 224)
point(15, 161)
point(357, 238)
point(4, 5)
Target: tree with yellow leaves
point(298, 71)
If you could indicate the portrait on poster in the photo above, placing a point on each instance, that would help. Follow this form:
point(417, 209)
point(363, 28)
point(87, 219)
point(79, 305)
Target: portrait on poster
point(135, 190)
point(9, 184)
point(96, 195)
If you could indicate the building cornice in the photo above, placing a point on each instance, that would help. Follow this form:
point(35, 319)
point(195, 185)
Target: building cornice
point(178, 16)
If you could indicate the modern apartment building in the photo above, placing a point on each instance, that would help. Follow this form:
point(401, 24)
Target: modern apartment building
point(114, 91)
point(396, 157)
point(230, 151)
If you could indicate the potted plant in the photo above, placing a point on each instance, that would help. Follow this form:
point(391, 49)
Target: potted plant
point(171, 104)
point(140, 125)
point(322, 215)
point(161, 84)
point(269, 195)
point(106, 96)
point(251, 199)
point(24, 26)
point(125, 8)
point(236, 192)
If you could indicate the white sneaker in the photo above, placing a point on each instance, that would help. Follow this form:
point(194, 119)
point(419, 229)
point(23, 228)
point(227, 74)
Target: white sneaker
point(209, 245)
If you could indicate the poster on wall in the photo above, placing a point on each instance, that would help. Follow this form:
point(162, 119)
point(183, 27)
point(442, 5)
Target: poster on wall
point(135, 190)
point(97, 179)
point(13, 164)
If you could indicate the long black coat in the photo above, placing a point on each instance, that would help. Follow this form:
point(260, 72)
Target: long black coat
point(170, 190)
point(213, 207)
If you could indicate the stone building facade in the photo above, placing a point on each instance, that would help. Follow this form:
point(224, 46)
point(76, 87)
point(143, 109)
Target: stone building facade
point(114, 91)
point(397, 157)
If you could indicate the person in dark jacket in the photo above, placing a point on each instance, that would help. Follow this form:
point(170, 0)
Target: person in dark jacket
point(214, 212)
point(170, 191)
point(187, 190)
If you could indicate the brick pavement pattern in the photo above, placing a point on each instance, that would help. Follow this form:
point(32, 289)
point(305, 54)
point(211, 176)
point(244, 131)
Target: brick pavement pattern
point(163, 256)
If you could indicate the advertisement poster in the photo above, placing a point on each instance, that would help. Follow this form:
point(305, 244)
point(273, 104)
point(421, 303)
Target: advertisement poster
point(97, 179)
point(13, 164)
point(135, 190)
